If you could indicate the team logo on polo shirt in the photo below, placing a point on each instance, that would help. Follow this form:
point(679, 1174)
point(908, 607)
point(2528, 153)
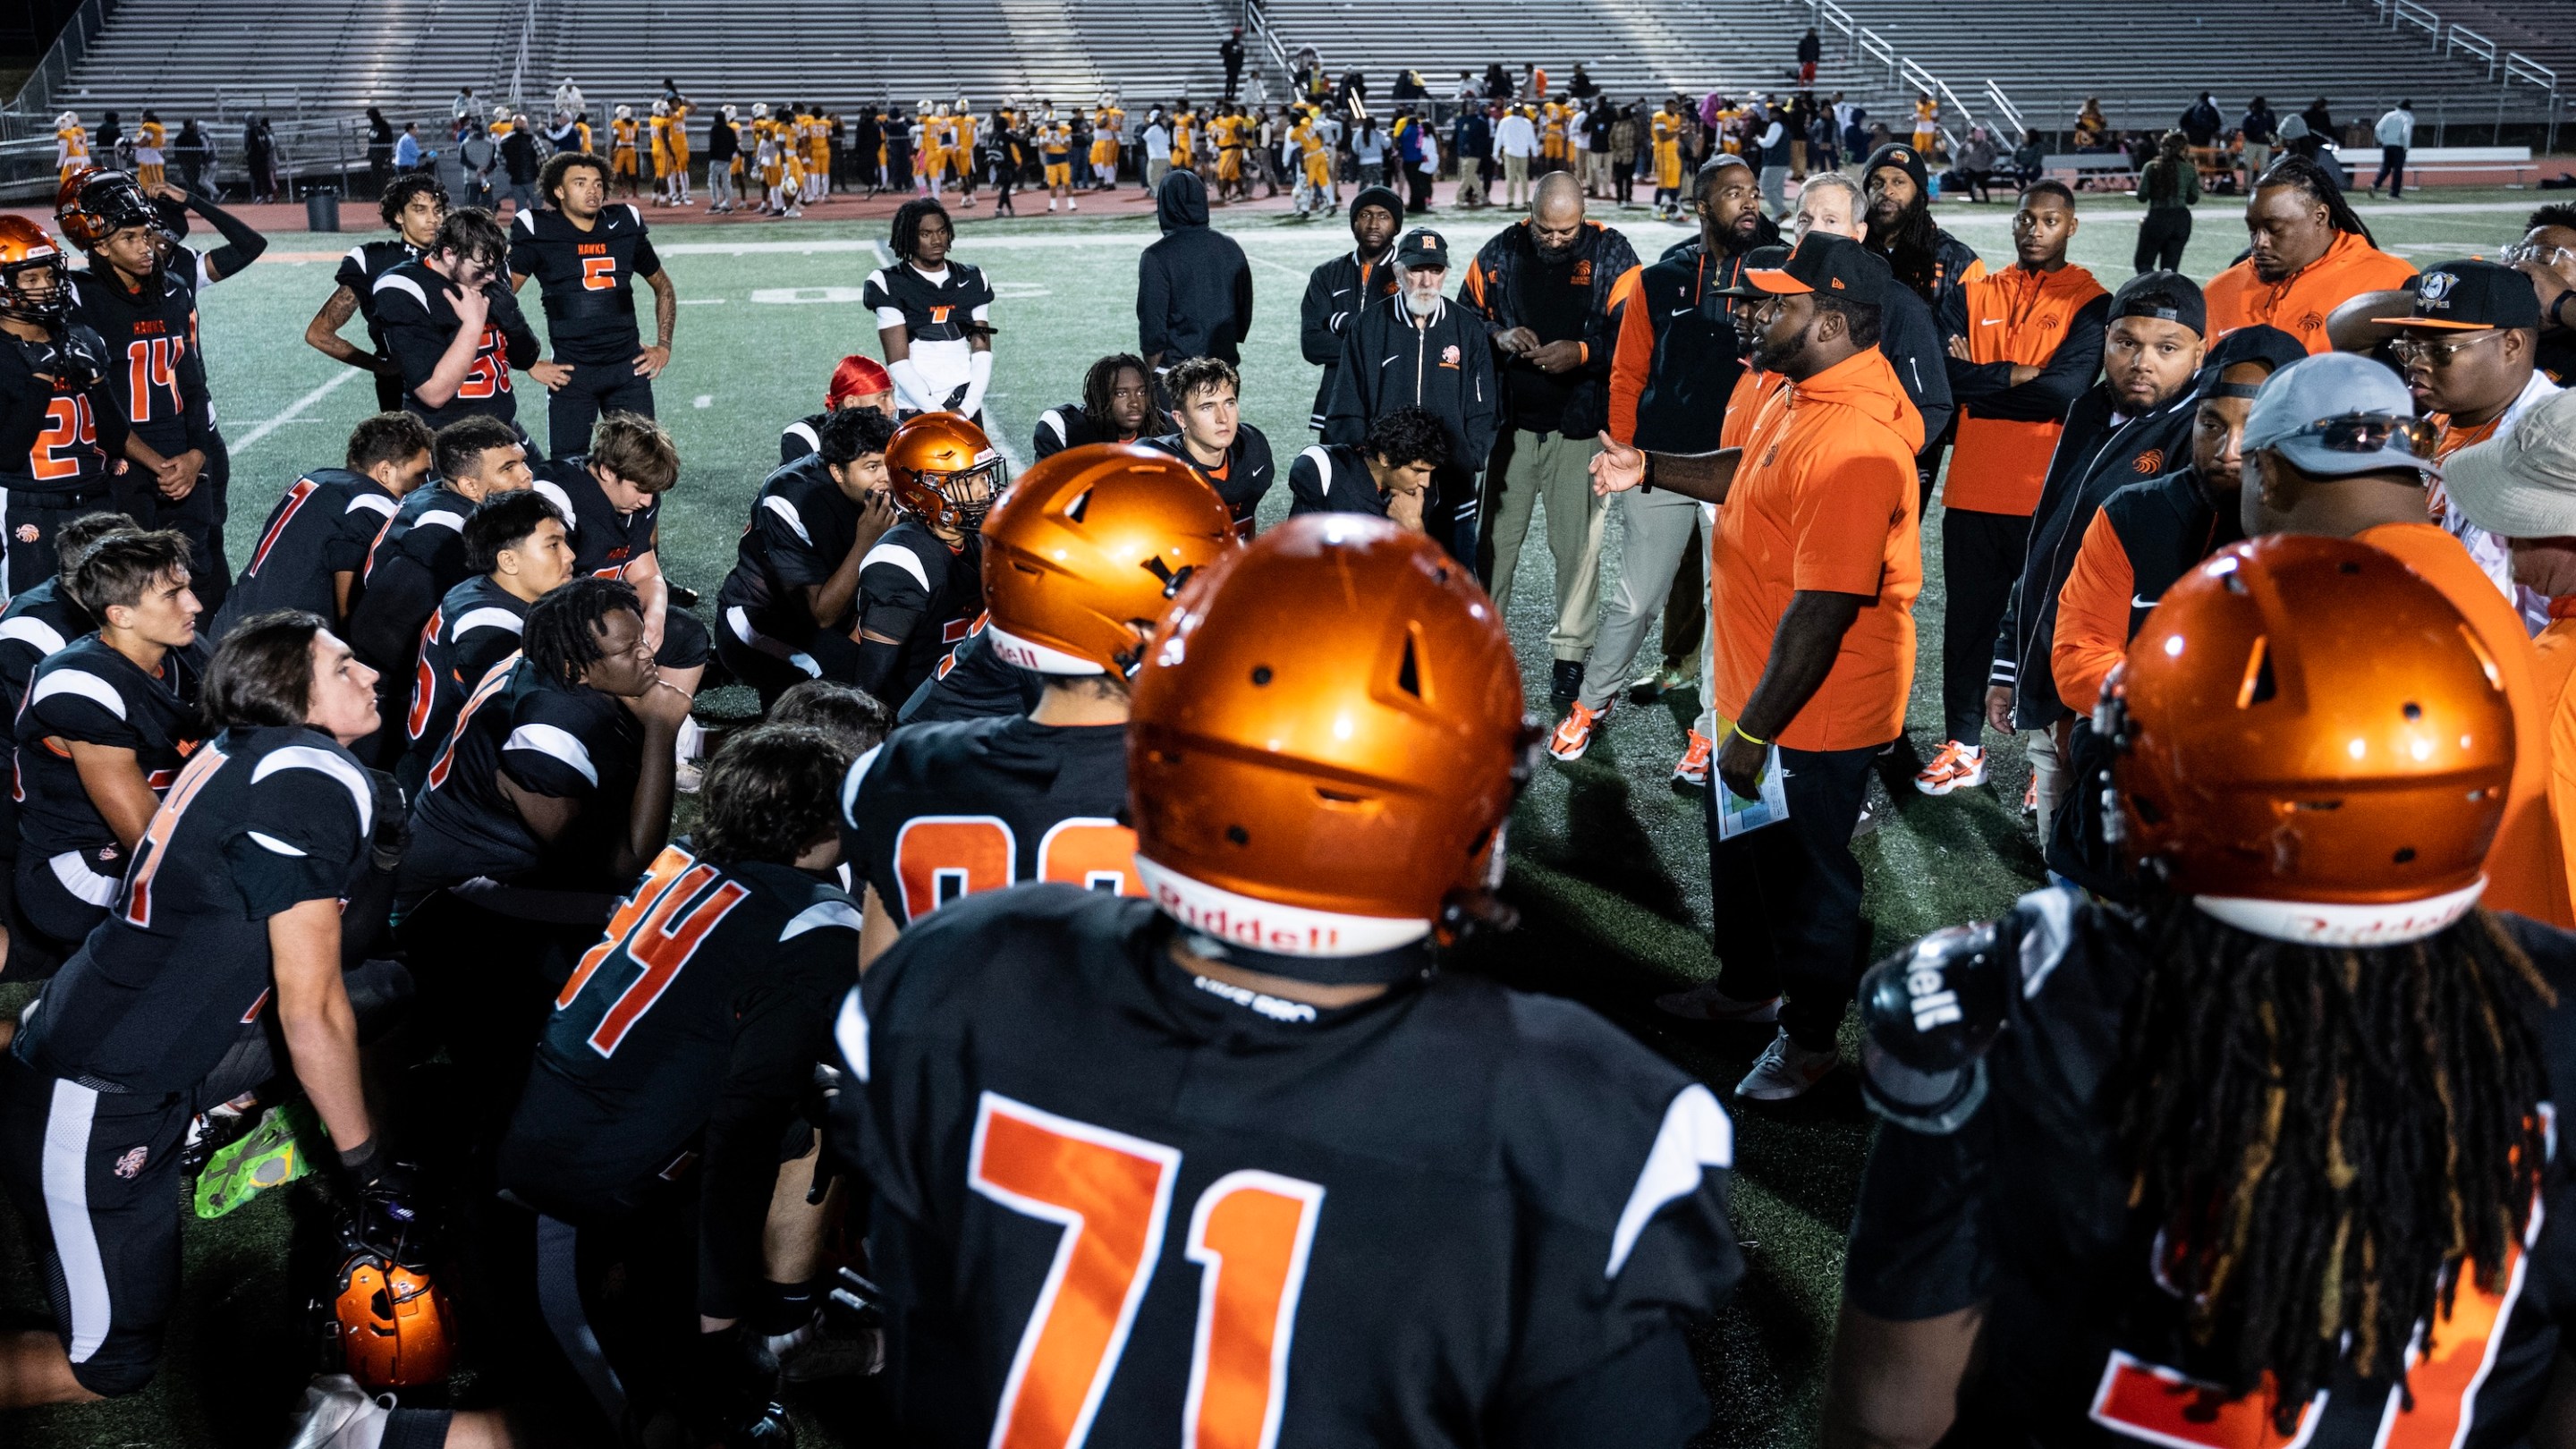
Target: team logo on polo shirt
point(1582, 274)
point(2150, 461)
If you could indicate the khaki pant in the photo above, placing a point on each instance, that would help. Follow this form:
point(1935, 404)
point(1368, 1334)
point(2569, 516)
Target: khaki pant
point(2056, 781)
point(1155, 171)
point(2258, 155)
point(1556, 469)
point(1515, 180)
point(1471, 183)
point(1600, 179)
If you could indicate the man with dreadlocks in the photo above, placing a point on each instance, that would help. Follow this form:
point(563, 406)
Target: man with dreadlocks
point(1927, 261)
point(933, 316)
point(1117, 406)
point(2308, 255)
point(2266, 1160)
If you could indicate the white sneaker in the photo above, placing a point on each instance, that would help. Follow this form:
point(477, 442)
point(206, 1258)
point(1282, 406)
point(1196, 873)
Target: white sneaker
point(1072, 205)
point(1050, 203)
point(1705, 1002)
point(1785, 1070)
point(337, 1414)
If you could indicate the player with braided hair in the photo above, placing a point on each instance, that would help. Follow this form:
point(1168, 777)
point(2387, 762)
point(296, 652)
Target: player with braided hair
point(2268, 1159)
point(2309, 255)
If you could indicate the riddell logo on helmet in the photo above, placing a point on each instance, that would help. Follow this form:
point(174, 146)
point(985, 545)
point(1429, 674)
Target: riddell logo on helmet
point(1245, 927)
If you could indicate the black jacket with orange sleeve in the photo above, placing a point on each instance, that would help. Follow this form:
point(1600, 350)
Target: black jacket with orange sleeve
point(2146, 536)
point(1676, 359)
point(1604, 258)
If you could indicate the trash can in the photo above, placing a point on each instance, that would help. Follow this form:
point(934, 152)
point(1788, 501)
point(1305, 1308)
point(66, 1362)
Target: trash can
point(321, 210)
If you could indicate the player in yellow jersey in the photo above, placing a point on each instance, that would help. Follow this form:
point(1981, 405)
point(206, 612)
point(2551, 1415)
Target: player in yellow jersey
point(818, 157)
point(679, 135)
point(1668, 127)
point(1105, 145)
point(1927, 124)
point(1232, 131)
point(962, 154)
point(659, 128)
point(621, 148)
point(502, 125)
point(765, 159)
point(71, 146)
point(1185, 127)
point(1315, 166)
point(149, 138)
point(930, 152)
point(1551, 144)
point(1055, 153)
point(791, 172)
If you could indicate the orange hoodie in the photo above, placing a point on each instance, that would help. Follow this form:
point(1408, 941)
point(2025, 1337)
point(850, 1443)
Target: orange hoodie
point(1824, 501)
point(2016, 315)
point(2300, 303)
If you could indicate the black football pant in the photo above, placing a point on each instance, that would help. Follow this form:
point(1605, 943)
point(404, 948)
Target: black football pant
point(1787, 896)
point(34, 518)
point(772, 666)
point(594, 388)
point(2162, 234)
point(56, 901)
point(1981, 556)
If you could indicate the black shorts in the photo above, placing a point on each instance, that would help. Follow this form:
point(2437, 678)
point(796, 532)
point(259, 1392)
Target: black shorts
point(94, 1174)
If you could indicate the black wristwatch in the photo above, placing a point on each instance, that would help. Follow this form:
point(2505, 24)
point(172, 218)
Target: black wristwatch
point(2558, 306)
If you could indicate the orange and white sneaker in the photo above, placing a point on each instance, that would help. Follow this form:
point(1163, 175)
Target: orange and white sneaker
point(1574, 733)
point(1955, 768)
point(1690, 772)
point(2030, 797)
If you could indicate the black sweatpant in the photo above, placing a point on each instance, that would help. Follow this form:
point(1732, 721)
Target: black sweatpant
point(1981, 556)
point(33, 518)
point(1787, 896)
point(593, 388)
point(2162, 234)
point(2392, 171)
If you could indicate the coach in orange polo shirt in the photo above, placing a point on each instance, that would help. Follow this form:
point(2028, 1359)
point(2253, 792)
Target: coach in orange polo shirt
point(2309, 255)
point(1813, 570)
point(2333, 447)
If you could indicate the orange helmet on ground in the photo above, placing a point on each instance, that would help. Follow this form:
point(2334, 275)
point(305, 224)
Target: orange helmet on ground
point(392, 1322)
point(93, 205)
point(1091, 541)
point(944, 470)
point(1326, 737)
point(2312, 744)
point(27, 248)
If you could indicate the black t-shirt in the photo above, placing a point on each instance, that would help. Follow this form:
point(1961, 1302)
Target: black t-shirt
point(1240, 480)
point(944, 810)
point(154, 372)
point(802, 528)
point(586, 278)
point(59, 422)
point(2025, 1208)
point(604, 541)
point(973, 682)
point(89, 694)
point(413, 310)
point(565, 741)
point(358, 271)
point(475, 627)
point(915, 589)
point(323, 524)
point(1484, 1206)
point(1555, 301)
point(260, 820)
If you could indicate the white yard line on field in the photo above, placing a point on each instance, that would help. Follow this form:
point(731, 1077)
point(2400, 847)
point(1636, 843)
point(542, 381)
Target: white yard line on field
point(293, 410)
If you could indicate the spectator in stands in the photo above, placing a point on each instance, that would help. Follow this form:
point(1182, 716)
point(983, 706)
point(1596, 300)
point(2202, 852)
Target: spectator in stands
point(1471, 148)
point(1626, 137)
point(259, 156)
point(1229, 51)
point(2029, 159)
point(1158, 150)
point(2310, 254)
point(2092, 133)
point(463, 106)
point(1811, 53)
point(1368, 152)
point(1975, 163)
point(1498, 82)
point(1193, 286)
point(380, 150)
point(2168, 185)
point(407, 155)
point(2202, 121)
point(2320, 119)
point(2258, 129)
point(2547, 255)
point(2395, 133)
point(194, 154)
point(475, 158)
point(1547, 286)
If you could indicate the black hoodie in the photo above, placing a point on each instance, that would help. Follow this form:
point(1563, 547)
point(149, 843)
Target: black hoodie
point(1340, 290)
point(1193, 288)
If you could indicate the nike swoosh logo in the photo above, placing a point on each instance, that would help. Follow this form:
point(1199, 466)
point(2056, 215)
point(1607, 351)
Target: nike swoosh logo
point(1341, 291)
point(1684, 311)
point(1989, 321)
point(2140, 601)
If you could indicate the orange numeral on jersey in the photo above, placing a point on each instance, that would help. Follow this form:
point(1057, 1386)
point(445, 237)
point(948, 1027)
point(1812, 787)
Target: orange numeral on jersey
point(147, 851)
point(490, 372)
point(1110, 1195)
point(424, 678)
point(67, 425)
point(493, 679)
point(1093, 853)
point(658, 944)
point(150, 364)
point(599, 274)
point(938, 858)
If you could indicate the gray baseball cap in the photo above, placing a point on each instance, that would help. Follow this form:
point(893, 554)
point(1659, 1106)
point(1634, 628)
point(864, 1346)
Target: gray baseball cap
point(2335, 414)
point(2522, 485)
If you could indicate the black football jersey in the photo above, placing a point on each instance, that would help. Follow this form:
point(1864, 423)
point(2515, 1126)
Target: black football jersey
point(38, 624)
point(89, 694)
point(1067, 426)
point(802, 438)
point(260, 820)
point(553, 739)
point(2025, 1208)
point(59, 421)
point(945, 810)
point(586, 278)
point(153, 369)
point(1333, 478)
point(604, 541)
point(413, 310)
point(1115, 1195)
point(710, 982)
point(802, 527)
point(323, 524)
point(1240, 480)
point(358, 271)
point(973, 682)
point(937, 317)
point(916, 589)
point(473, 629)
point(417, 556)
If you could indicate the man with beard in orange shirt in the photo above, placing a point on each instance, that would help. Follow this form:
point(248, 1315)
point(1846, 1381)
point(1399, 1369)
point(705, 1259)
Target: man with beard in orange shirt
point(2309, 255)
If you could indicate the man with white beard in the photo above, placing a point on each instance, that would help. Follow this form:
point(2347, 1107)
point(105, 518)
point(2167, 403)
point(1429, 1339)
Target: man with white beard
point(1419, 349)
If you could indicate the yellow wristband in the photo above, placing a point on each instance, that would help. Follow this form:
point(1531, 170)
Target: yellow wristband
point(1748, 739)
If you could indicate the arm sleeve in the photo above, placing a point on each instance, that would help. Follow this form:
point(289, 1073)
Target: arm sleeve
point(2092, 616)
point(1601, 328)
point(2070, 370)
point(520, 338)
point(411, 335)
point(1482, 400)
point(526, 252)
point(108, 416)
point(1153, 307)
point(344, 549)
point(792, 555)
point(384, 629)
point(1242, 296)
point(242, 245)
point(1632, 356)
point(781, 1034)
point(1307, 482)
point(2005, 673)
point(890, 604)
point(1919, 1241)
point(1346, 415)
point(1320, 322)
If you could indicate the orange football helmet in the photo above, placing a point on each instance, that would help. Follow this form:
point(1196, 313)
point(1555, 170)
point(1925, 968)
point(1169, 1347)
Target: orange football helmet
point(26, 248)
point(2312, 743)
point(93, 205)
point(1089, 540)
point(391, 1319)
point(944, 470)
point(1326, 737)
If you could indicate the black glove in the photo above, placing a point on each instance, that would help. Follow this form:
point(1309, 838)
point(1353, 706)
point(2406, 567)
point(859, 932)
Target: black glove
point(385, 1218)
point(732, 1390)
point(392, 835)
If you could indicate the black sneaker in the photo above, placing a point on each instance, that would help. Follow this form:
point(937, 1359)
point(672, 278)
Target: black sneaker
point(1566, 682)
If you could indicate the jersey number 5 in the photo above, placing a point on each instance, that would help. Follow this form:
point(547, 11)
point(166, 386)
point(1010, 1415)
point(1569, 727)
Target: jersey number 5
point(1110, 1195)
point(599, 274)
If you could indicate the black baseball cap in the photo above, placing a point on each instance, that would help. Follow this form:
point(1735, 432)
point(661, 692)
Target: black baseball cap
point(1424, 248)
point(1766, 258)
point(2164, 296)
point(2468, 296)
point(1823, 262)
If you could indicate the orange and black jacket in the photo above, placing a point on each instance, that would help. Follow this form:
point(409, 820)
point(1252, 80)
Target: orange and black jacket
point(2054, 321)
point(1603, 257)
point(1676, 359)
point(2146, 536)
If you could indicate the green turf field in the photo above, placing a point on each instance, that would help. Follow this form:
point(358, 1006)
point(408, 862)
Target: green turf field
point(1608, 866)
